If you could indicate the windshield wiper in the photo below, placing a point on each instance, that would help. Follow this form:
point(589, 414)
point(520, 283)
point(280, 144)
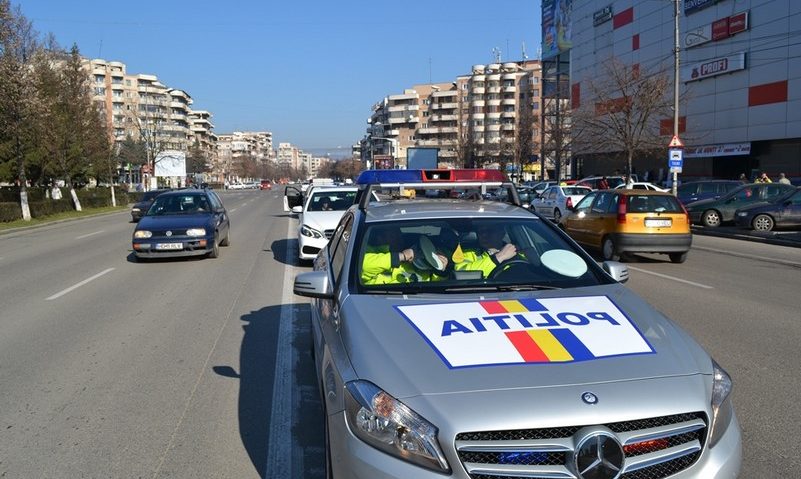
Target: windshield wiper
point(500, 287)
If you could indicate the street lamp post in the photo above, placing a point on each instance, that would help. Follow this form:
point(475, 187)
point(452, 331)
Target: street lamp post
point(674, 185)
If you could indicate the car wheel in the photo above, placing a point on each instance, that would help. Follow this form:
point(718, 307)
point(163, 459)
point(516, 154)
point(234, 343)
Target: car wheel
point(608, 250)
point(677, 257)
point(227, 240)
point(763, 223)
point(215, 249)
point(557, 215)
point(711, 219)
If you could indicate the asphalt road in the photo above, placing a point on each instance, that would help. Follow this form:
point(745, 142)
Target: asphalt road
point(201, 367)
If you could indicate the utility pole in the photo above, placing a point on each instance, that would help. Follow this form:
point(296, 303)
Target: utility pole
point(675, 84)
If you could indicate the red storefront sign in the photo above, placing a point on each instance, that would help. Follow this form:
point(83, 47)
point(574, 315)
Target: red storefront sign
point(738, 23)
point(720, 29)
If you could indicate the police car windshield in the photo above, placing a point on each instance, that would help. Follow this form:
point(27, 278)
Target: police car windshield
point(464, 254)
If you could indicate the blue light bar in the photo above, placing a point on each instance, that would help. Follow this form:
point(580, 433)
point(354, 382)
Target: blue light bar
point(370, 177)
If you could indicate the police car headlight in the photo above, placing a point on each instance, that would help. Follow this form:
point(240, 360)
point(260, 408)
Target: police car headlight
point(310, 232)
point(390, 426)
point(721, 403)
point(196, 232)
point(142, 234)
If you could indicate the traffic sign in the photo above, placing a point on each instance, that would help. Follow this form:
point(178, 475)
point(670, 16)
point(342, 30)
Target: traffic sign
point(675, 160)
point(675, 142)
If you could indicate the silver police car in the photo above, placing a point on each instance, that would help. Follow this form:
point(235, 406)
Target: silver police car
point(473, 339)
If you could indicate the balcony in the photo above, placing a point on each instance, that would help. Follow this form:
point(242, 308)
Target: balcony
point(478, 90)
point(443, 117)
point(509, 89)
point(441, 94)
point(449, 129)
point(494, 77)
point(494, 102)
point(494, 89)
point(401, 120)
point(508, 127)
point(479, 77)
point(395, 108)
point(392, 133)
point(427, 142)
point(478, 128)
point(493, 127)
point(428, 131)
point(508, 114)
point(405, 96)
point(508, 76)
point(509, 101)
point(477, 103)
point(494, 115)
point(478, 116)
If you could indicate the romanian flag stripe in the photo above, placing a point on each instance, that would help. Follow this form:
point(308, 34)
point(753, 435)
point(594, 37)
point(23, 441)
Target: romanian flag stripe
point(572, 344)
point(528, 349)
point(513, 306)
point(550, 345)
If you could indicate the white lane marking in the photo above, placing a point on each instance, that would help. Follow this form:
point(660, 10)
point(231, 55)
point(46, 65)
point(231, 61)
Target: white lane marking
point(672, 278)
point(78, 285)
point(232, 210)
point(90, 234)
point(279, 450)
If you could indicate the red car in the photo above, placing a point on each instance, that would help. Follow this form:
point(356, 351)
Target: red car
point(266, 185)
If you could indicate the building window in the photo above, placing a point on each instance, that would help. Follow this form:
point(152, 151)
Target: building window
point(535, 105)
point(100, 91)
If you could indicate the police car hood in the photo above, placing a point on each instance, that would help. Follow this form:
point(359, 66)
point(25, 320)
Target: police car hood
point(421, 345)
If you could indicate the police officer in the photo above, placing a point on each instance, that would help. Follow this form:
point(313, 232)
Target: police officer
point(388, 260)
point(491, 252)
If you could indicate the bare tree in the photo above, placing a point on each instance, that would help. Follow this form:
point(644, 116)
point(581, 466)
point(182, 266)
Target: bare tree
point(524, 142)
point(556, 134)
point(623, 110)
point(18, 106)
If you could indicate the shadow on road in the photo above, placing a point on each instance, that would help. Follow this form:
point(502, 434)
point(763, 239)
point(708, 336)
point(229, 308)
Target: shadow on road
point(257, 362)
point(279, 249)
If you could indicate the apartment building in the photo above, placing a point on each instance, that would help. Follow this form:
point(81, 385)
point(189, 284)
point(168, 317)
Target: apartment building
point(289, 156)
point(232, 147)
point(475, 116)
point(141, 107)
point(740, 77)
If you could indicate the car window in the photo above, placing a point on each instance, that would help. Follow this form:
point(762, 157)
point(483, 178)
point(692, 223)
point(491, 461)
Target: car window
point(611, 207)
point(216, 203)
point(726, 187)
point(586, 202)
point(745, 193)
point(570, 190)
point(685, 189)
point(339, 245)
point(653, 204)
point(552, 193)
point(796, 198)
point(771, 191)
point(438, 254)
point(601, 204)
point(708, 188)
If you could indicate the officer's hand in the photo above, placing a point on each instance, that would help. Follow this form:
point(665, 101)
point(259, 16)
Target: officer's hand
point(443, 260)
point(407, 255)
point(507, 252)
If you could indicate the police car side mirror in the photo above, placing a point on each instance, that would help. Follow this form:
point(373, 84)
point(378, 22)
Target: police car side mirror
point(313, 284)
point(618, 271)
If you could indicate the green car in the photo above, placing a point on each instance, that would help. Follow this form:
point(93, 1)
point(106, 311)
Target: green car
point(714, 212)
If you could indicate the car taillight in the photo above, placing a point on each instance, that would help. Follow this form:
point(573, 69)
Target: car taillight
point(686, 213)
point(621, 209)
point(569, 203)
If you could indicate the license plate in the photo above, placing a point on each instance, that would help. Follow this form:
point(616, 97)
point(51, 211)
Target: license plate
point(649, 223)
point(169, 246)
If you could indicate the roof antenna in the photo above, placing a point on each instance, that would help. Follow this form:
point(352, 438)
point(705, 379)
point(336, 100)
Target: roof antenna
point(496, 53)
point(525, 55)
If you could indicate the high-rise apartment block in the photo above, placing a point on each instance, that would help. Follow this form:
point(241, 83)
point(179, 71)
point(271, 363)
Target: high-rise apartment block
point(477, 116)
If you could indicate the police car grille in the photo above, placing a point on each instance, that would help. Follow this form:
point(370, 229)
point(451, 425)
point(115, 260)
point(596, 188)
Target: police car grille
point(328, 234)
point(674, 443)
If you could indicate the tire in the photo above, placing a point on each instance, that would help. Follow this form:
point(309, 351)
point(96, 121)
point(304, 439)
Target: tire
point(608, 250)
point(762, 223)
point(215, 249)
point(711, 219)
point(677, 257)
point(557, 216)
point(227, 240)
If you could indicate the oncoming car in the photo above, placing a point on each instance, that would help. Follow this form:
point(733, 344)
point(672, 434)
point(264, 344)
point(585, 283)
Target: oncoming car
point(473, 339)
point(182, 223)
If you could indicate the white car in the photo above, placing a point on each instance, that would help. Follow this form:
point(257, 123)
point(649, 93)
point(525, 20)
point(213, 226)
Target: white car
point(642, 185)
point(555, 201)
point(319, 214)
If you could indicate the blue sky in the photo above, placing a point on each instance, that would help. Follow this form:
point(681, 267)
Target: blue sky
point(308, 71)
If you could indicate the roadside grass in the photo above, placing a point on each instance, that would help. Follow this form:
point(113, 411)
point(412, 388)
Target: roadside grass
point(60, 216)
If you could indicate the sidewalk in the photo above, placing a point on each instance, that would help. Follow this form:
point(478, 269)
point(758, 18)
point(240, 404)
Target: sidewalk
point(790, 238)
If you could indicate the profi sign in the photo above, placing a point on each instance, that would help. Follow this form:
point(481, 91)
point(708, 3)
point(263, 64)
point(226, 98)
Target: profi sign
point(714, 67)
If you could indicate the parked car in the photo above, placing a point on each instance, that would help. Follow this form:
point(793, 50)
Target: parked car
point(545, 367)
point(631, 221)
point(714, 212)
point(594, 182)
point(318, 215)
point(641, 185)
point(705, 189)
point(140, 207)
point(555, 202)
point(780, 212)
point(187, 222)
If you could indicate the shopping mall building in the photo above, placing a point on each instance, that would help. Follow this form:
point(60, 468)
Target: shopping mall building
point(739, 80)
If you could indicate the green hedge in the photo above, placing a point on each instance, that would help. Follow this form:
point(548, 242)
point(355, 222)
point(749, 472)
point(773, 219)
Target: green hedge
point(42, 206)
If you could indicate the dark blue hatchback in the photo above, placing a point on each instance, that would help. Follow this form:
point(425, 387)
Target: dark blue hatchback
point(182, 223)
point(705, 189)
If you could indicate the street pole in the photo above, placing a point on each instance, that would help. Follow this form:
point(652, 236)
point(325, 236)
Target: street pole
point(674, 186)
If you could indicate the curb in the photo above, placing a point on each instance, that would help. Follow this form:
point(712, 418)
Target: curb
point(792, 243)
point(56, 222)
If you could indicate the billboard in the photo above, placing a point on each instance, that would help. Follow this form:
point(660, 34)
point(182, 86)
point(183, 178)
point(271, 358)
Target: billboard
point(556, 27)
point(422, 158)
point(171, 163)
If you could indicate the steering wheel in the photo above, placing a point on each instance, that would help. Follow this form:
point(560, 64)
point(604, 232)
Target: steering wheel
point(503, 266)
